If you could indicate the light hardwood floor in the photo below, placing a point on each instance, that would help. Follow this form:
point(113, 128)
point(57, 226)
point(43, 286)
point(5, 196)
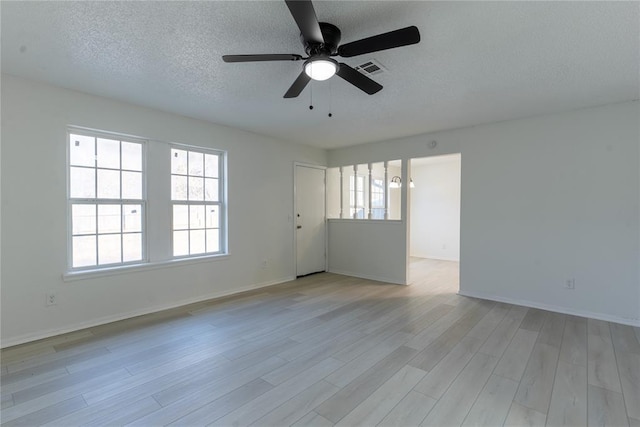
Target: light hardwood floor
point(333, 350)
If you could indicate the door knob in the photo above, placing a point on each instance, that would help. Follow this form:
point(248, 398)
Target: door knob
point(299, 227)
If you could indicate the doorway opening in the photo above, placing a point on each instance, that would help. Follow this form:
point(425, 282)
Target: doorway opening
point(434, 222)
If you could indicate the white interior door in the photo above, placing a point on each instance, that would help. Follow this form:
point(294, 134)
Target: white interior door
point(310, 220)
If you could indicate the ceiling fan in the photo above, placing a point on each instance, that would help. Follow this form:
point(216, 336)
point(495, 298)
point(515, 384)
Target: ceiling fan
point(321, 40)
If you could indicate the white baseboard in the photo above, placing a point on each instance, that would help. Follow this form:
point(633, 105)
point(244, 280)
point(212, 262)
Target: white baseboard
point(436, 258)
point(22, 339)
point(557, 309)
point(369, 277)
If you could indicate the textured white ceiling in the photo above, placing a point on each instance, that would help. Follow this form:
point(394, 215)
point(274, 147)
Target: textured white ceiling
point(478, 62)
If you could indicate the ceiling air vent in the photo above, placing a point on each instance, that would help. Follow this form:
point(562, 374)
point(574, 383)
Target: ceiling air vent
point(370, 68)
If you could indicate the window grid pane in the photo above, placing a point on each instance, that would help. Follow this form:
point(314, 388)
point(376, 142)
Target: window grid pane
point(108, 155)
point(105, 227)
point(131, 156)
point(131, 247)
point(84, 251)
point(109, 249)
point(82, 150)
point(108, 184)
point(178, 162)
point(109, 219)
point(131, 185)
point(83, 219)
point(82, 182)
point(195, 192)
point(211, 162)
point(196, 188)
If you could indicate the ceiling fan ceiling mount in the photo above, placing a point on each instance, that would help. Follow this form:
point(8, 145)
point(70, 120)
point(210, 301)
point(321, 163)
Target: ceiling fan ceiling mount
point(329, 47)
point(321, 40)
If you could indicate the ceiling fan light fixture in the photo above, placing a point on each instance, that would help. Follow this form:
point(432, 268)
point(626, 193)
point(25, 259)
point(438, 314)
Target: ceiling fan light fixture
point(320, 69)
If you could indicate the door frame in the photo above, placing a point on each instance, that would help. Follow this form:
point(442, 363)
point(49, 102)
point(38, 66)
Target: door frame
point(295, 212)
point(409, 201)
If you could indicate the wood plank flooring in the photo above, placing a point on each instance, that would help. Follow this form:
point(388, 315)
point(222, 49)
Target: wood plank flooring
point(330, 350)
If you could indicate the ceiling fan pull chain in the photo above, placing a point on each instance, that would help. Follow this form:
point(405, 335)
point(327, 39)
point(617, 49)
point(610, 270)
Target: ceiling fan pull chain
point(330, 98)
point(311, 96)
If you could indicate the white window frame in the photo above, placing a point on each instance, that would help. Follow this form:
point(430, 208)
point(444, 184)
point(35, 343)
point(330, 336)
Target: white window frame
point(103, 201)
point(221, 203)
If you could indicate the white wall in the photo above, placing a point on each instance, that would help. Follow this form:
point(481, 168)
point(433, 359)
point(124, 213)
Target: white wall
point(371, 249)
point(434, 229)
point(395, 201)
point(34, 123)
point(333, 193)
point(543, 200)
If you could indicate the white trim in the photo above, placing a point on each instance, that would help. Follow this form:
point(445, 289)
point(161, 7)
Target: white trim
point(557, 309)
point(369, 166)
point(107, 134)
point(294, 217)
point(433, 257)
point(369, 277)
point(309, 165)
point(369, 221)
point(125, 269)
point(386, 190)
point(341, 192)
point(109, 319)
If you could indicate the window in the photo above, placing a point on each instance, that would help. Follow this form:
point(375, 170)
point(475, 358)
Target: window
point(108, 183)
point(196, 189)
point(106, 200)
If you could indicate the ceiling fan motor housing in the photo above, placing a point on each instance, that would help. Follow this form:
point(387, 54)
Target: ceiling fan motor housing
point(331, 35)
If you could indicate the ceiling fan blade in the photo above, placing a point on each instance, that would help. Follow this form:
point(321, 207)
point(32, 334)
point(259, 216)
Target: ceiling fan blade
point(390, 40)
point(305, 16)
point(254, 58)
point(298, 86)
point(360, 81)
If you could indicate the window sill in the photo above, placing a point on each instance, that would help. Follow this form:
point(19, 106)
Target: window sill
point(134, 268)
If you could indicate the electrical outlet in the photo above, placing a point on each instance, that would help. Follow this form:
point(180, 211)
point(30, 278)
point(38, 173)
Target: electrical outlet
point(570, 284)
point(52, 298)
